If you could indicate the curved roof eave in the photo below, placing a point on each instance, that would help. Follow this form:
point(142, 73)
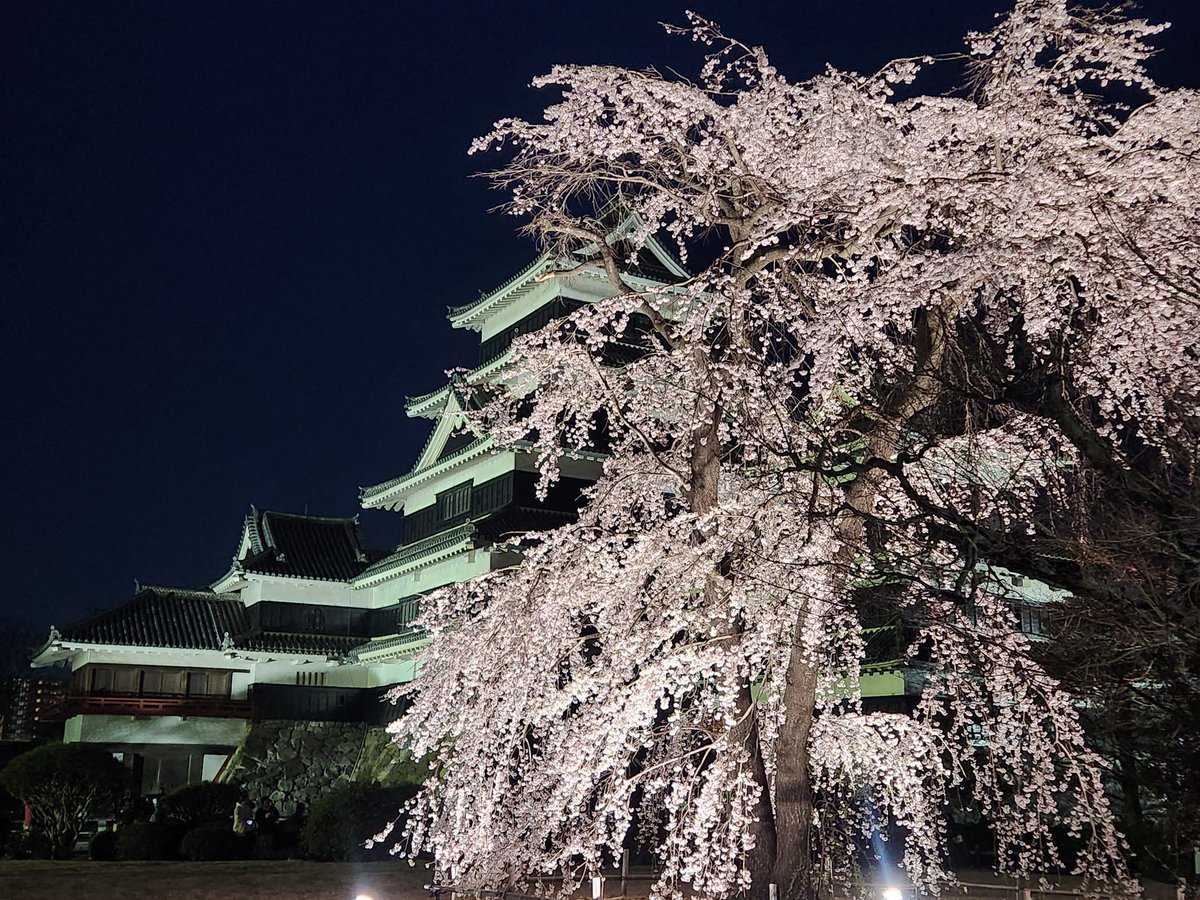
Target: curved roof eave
point(469, 315)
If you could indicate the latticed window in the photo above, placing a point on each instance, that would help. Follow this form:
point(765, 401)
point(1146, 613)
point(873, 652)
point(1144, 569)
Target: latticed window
point(454, 502)
point(1033, 621)
point(976, 736)
point(406, 612)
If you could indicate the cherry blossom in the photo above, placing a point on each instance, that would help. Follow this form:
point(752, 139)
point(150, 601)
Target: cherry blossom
point(924, 313)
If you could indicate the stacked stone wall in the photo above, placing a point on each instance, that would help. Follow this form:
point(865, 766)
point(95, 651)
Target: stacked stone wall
point(296, 762)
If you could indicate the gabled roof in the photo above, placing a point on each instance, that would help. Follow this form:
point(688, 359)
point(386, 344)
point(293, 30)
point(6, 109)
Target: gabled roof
point(654, 264)
point(433, 404)
point(301, 546)
point(165, 617)
point(446, 448)
point(181, 619)
point(392, 494)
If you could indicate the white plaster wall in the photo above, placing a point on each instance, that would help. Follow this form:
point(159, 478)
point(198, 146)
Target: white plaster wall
point(157, 656)
point(456, 568)
point(483, 468)
point(200, 730)
point(282, 670)
point(299, 590)
point(251, 593)
point(213, 763)
point(400, 672)
point(240, 683)
point(72, 729)
point(348, 676)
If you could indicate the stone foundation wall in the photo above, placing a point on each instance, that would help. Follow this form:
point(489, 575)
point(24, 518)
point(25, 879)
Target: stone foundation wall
point(293, 762)
point(384, 762)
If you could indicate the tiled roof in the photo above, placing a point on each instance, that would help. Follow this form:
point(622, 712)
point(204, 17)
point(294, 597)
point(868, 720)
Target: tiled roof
point(529, 271)
point(397, 643)
point(165, 617)
point(519, 520)
point(177, 618)
point(424, 550)
point(288, 642)
point(298, 546)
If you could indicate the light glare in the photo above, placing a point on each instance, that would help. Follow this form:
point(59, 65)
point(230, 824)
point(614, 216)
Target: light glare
point(893, 893)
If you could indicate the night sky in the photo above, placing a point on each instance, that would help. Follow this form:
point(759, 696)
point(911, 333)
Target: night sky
point(229, 233)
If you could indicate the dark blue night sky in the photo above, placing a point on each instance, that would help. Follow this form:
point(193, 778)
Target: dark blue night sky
point(229, 233)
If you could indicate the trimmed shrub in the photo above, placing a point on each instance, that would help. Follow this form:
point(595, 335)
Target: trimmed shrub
point(103, 846)
point(200, 804)
point(64, 783)
point(208, 843)
point(347, 815)
point(148, 840)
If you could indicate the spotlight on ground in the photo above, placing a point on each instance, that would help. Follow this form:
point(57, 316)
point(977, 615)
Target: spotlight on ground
point(893, 893)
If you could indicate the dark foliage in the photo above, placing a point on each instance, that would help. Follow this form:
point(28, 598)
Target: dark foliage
point(149, 840)
point(203, 803)
point(211, 842)
point(343, 818)
point(103, 846)
point(25, 843)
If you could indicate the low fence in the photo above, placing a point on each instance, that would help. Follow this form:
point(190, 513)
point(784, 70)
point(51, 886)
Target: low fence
point(135, 705)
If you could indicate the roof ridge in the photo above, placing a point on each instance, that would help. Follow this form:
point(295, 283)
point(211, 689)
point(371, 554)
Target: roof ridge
point(142, 587)
point(145, 619)
point(250, 530)
point(341, 520)
point(376, 490)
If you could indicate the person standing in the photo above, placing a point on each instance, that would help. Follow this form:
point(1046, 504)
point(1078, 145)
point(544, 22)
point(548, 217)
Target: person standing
point(243, 816)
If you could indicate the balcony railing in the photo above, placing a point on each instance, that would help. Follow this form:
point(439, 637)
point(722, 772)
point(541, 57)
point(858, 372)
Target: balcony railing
point(163, 705)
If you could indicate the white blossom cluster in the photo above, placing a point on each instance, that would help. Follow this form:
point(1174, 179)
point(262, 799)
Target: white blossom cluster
point(685, 661)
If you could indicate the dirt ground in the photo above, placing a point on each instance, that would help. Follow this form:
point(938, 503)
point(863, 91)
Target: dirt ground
point(255, 880)
point(298, 880)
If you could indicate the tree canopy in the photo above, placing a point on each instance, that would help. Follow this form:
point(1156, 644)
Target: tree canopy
point(63, 783)
point(923, 336)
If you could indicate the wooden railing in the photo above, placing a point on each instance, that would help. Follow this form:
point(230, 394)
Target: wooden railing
point(133, 705)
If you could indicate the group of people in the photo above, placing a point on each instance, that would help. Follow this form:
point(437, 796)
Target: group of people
point(263, 823)
point(247, 819)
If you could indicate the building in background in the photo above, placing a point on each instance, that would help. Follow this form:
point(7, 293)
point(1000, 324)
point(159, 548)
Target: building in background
point(170, 679)
point(308, 624)
point(464, 496)
point(30, 704)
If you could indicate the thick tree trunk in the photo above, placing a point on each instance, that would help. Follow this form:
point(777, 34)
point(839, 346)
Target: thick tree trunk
point(762, 860)
point(793, 870)
point(1127, 777)
point(704, 495)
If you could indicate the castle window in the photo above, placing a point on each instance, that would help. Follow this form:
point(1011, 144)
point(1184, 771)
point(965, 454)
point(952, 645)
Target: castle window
point(1033, 621)
point(454, 502)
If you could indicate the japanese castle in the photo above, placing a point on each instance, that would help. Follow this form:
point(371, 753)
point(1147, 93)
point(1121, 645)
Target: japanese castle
point(308, 624)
